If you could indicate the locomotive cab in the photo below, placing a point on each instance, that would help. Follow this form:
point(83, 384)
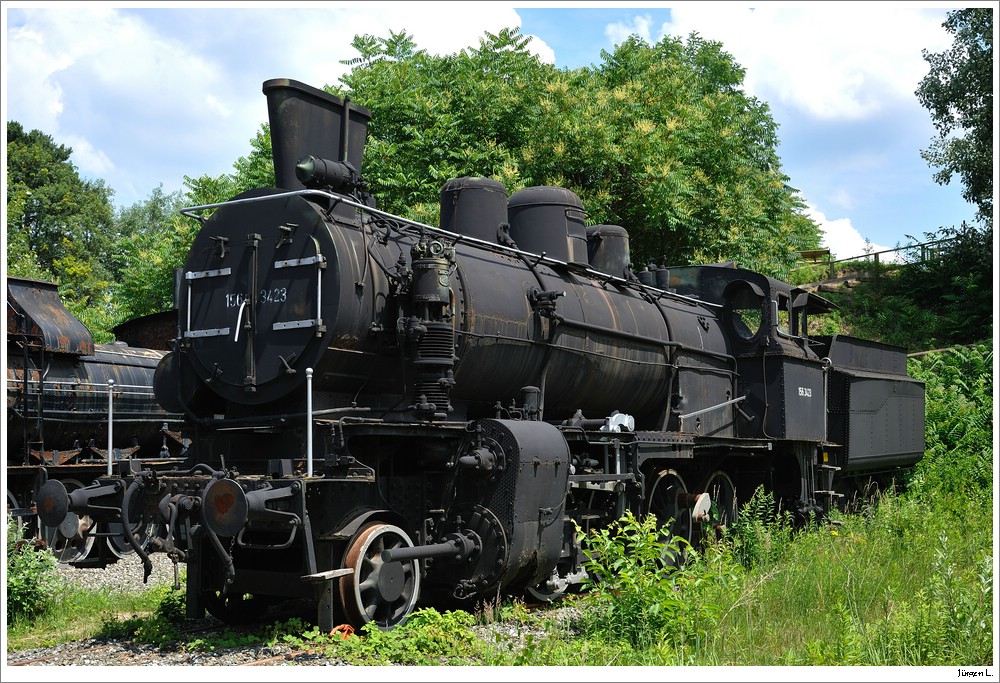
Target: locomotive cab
point(779, 371)
point(745, 310)
point(761, 314)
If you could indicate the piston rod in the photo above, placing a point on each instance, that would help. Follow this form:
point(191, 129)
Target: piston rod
point(458, 546)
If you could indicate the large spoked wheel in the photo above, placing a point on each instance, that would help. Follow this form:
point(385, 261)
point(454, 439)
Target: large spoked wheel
point(666, 502)
point(117, 541)
point(119, 545)
point(722, 491)
point(381, 592)
point(71, 541)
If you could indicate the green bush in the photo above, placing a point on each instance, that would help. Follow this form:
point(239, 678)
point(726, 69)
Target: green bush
point(32, 577)
point(159, 629)
point(929, 303)
point(639, 596)
point(428, 637)
point(958, 457)
point(760, 534)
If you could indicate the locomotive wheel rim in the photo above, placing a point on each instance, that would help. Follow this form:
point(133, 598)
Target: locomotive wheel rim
point(381, 592)
point(674, 519)
point(12, 505)
point(543, 593)
point(68, 550)
point(117, 543)
point(722, 491)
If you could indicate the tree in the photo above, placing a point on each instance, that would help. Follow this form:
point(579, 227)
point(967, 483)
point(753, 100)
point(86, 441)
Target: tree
point(958, 92)
point(157, 239)
point(438, 118)
point(702, 179)
point(59, 226)
point(257, 168)
point(53, 201)
point(659, 139)
point(21, 258)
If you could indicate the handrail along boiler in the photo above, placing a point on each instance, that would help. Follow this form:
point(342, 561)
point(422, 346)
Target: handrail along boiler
point(390, 414)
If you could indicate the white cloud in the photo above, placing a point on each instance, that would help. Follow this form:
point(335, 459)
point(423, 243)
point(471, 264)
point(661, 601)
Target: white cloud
point(842, 198)
point(640, 25)
point(147, 96)
point(27, 57)
point(90, 161)
point(828, 60)
point(539, 47)
point(843, 239)
point(97, 79)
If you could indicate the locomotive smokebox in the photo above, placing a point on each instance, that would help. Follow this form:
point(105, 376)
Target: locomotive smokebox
point(308, 121)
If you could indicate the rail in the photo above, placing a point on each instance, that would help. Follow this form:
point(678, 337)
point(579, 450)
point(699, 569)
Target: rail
point(928, 250)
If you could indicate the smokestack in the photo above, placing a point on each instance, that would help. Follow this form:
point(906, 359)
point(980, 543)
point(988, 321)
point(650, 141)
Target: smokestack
point(306, 121)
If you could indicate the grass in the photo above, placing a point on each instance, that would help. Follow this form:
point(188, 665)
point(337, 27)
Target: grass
point(866, 577)
point(78, 613)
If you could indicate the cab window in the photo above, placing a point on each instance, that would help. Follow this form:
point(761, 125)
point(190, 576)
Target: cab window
point(744, 309)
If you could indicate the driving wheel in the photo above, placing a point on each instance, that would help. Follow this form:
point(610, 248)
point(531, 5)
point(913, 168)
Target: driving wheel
point(377, 591)
point(721, 489)
point(667, 500)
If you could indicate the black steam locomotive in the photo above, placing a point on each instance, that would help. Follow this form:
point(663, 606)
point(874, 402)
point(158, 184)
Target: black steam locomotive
point(62, 388)
point(387, 414)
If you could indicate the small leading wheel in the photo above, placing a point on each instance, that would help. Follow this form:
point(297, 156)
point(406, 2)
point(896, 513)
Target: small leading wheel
point(562, 581)
point(547, 591)
point(381, 592)
point(666, 501)
point(70, 541)
point(722, 491)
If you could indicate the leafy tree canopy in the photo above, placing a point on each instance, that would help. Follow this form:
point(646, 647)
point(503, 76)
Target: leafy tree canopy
point(157, 242)
point(659, 139)
point(958, 93)
point(59, 226)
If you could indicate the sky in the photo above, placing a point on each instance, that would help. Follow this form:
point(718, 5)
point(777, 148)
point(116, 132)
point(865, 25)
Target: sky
point(146, 95)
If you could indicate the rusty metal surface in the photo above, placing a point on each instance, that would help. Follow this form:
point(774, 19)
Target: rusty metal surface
point(57, 384)
point(35, 310)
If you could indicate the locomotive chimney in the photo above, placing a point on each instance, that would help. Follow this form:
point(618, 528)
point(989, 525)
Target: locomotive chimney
point(306, 121)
